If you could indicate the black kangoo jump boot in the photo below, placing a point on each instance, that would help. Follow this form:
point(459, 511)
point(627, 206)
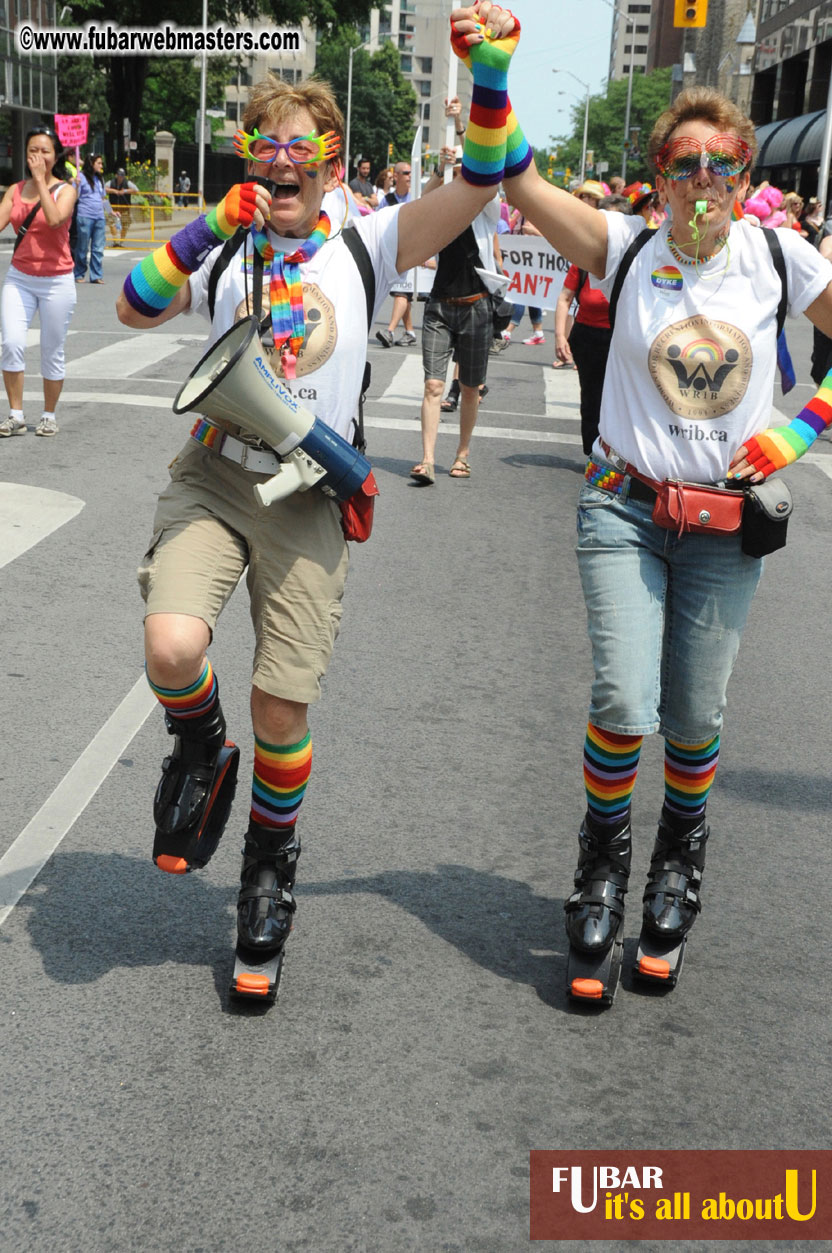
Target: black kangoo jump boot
point(595, 913)
point(194, 796)
point(671, 898)
point(266, 906)
point(595, 910)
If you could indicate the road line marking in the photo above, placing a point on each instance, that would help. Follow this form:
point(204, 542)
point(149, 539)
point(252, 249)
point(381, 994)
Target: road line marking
point(823, 463)
point(38, 840)
point(29, 514)
point(486, 432)
point(563, 395)
point(408, 383)
point(126, 357)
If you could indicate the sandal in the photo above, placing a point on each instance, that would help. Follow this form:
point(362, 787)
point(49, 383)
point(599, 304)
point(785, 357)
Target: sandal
point(423, 472)
point(483, 391)
point(450, 402)
point(460, 469)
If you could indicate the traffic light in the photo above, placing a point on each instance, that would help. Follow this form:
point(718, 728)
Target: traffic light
point(690, 13)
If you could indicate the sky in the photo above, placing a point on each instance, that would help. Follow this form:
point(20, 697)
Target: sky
point(557, 34)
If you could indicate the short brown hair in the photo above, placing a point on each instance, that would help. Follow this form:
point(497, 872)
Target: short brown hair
point(271, 101)
point(702, 104)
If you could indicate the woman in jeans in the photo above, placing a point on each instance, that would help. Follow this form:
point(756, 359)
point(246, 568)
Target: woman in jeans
point(687, 396)
point(90, 220)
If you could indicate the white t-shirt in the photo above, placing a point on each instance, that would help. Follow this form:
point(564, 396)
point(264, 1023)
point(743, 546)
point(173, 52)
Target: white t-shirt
point(691, 367)
point(330, 364)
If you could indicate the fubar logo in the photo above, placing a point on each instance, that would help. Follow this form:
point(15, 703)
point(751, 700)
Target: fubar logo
point(704, 1194)
point(701, 368)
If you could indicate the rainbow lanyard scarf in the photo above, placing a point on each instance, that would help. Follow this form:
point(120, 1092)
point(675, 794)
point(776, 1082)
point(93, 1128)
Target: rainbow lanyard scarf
point(286, 292)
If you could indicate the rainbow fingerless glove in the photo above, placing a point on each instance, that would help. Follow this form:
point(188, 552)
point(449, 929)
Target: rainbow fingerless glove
point(781, 446)
point(484, 152)
point(152, 284)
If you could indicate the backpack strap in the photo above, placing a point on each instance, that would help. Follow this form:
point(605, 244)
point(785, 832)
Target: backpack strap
point(391, 198)
point(776, 251)
point(221, 265)
point(29, 219)
point(627, 260)
point(361, 257)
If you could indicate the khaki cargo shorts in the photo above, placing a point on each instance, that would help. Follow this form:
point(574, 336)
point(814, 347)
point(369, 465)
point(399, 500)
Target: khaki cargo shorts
point(209, 528)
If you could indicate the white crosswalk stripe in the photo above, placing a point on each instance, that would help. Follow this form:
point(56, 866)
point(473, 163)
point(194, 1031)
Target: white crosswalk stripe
point(129, 356)
point(29, 514)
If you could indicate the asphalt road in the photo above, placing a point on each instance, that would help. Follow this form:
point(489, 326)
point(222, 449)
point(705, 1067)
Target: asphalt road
point(422, 1043)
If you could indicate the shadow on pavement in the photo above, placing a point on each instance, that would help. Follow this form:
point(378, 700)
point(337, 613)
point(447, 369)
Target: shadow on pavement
point(525, 460)
point(498, 923)
point(771, 787)
point(88, 915)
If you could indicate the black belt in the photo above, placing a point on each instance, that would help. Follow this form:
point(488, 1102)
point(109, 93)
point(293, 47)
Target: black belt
point(640, 491)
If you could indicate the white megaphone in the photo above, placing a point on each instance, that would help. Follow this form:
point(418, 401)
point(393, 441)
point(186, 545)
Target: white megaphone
point(233, 382)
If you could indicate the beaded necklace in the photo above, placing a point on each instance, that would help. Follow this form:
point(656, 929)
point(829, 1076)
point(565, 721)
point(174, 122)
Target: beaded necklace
point(721, 241)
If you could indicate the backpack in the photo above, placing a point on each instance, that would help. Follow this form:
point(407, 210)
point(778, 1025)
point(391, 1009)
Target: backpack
point(358, 251)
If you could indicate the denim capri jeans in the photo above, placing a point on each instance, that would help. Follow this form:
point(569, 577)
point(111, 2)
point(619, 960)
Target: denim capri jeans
point(665, 615)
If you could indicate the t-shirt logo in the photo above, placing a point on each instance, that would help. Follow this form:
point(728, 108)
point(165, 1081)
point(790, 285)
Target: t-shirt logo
point(701, 368)
point(321, 331)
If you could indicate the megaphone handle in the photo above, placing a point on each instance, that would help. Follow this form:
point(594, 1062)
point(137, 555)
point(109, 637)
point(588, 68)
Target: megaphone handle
point(287, 480)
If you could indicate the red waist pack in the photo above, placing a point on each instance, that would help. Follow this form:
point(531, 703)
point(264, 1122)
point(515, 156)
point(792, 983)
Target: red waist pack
point(357, 512)
point(694, 507)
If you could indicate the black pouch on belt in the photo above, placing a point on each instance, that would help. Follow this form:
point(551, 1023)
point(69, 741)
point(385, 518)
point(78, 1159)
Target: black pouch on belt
point(765, 518)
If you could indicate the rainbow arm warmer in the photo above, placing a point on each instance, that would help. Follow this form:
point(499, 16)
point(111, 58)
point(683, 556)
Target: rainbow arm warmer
point(484, 152)
point(780, 446)
point(518, 151)
point(152, 284)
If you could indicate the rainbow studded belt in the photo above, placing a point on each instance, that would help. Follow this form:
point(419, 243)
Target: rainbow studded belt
point(616, 482)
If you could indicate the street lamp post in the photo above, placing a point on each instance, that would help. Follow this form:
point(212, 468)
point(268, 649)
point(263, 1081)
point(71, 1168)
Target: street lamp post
point(629, 95)
point(586, 116)
point(349, 107)
point(631, 24)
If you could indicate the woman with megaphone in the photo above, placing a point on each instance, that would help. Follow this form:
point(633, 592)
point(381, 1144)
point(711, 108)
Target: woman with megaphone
point(210, 526)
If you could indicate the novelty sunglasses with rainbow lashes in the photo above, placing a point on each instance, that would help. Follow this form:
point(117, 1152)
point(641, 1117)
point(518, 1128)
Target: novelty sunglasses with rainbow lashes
point(305, 150)
point(724, 155)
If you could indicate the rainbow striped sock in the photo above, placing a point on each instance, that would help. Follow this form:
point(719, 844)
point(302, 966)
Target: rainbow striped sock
point(189, 702)
point(281, 773)
point(689, 771)
point(610, 768)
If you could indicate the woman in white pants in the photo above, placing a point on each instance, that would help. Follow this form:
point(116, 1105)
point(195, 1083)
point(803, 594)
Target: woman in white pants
point(39, 278)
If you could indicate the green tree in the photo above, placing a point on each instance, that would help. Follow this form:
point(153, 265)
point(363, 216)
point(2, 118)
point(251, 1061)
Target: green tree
point(605, 132)
point(171, 96)
point(82, 88)
point(383, 101)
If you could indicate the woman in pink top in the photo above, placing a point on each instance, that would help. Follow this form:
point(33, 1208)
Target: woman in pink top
point(39, 278)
